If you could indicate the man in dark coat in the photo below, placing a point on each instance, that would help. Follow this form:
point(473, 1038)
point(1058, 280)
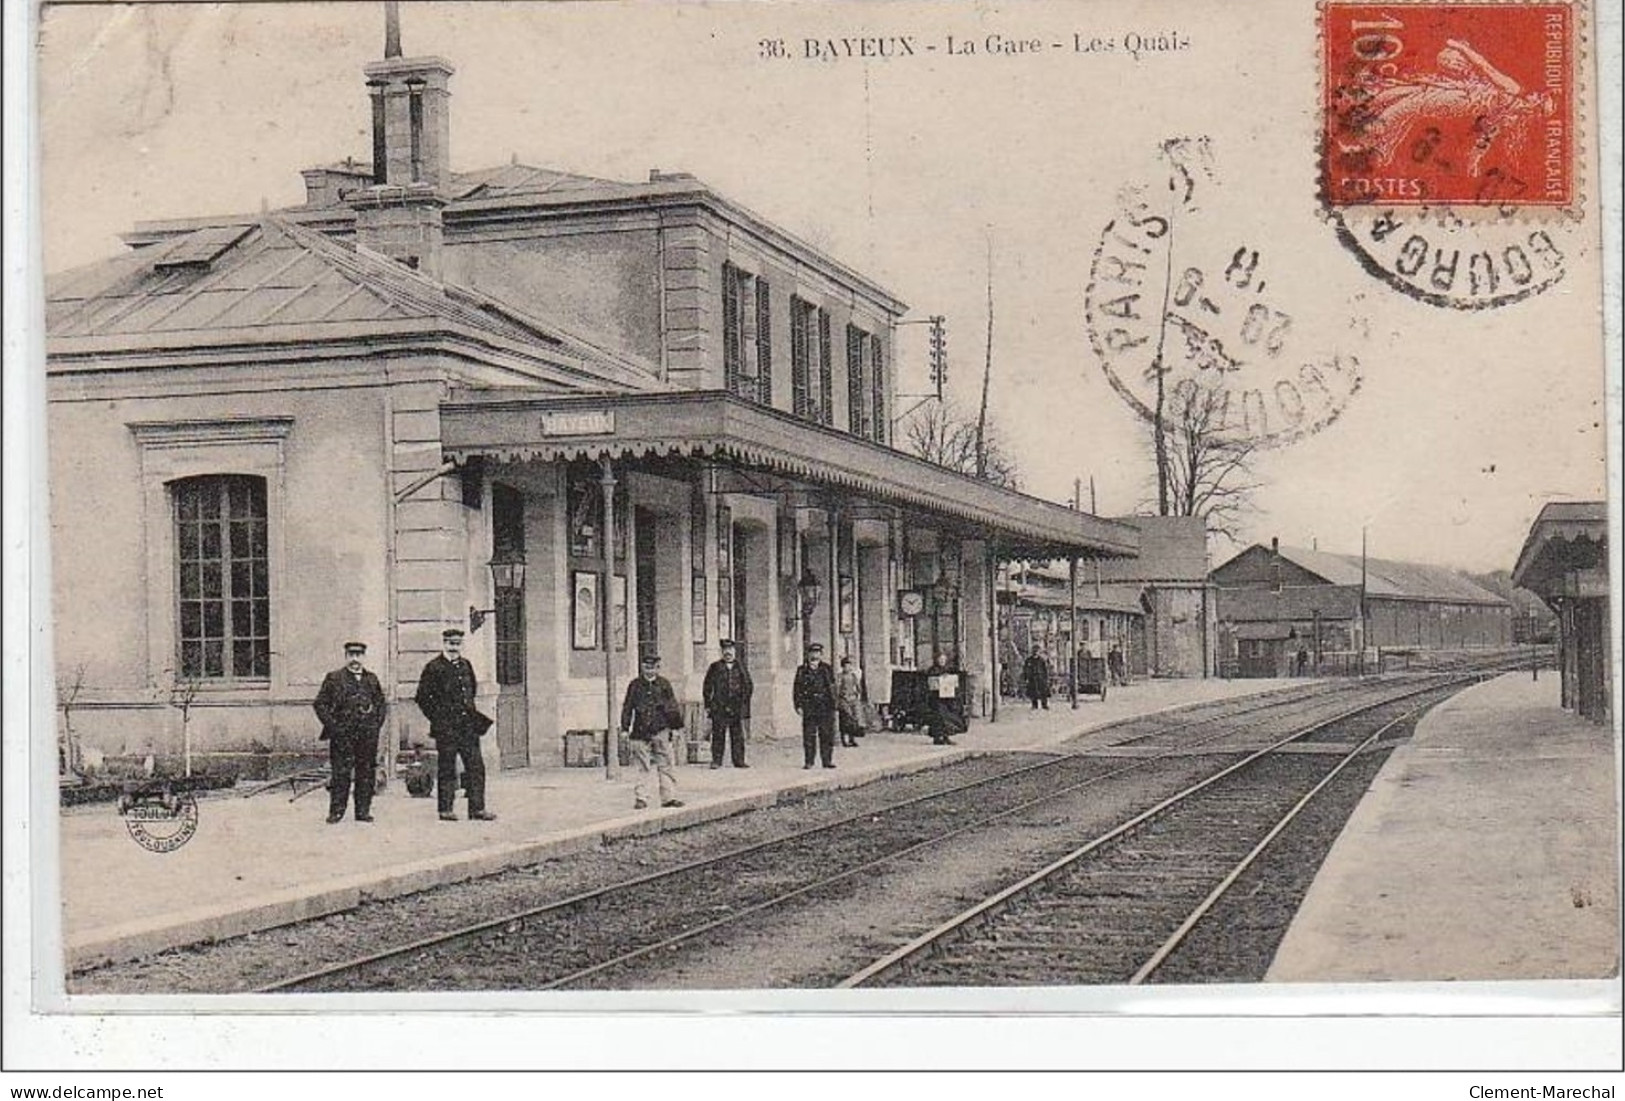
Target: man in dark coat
point(1035, 679)
point(351, 707)
point(814, 697)
point(727, 701)
point(942, 701)
point(649, 714)
point(446, 697)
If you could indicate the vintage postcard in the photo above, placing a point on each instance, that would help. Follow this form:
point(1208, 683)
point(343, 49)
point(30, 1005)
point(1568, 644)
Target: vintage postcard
point(860, 508)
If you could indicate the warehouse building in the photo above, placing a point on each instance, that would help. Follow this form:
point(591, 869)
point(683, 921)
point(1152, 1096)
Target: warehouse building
point(1285, 610)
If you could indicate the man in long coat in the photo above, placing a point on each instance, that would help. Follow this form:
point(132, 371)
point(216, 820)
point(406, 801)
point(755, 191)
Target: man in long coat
point(1035, 678)
point(814, 696)
point(727, 701)
point(351, 707)
point(446, 697)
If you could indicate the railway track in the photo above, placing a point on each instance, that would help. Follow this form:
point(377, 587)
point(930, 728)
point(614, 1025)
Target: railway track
point(591, 938)
point(1119, 907)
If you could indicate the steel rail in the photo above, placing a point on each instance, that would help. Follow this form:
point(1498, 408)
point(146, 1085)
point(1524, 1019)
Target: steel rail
point(475, 929)
point(1178, 936)
point(991, 905)
point(880, 861)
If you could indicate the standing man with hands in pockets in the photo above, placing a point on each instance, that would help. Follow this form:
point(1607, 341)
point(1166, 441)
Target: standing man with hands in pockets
point(727, 700)
point(351, 707)
point(814, 696)
point(446, 697)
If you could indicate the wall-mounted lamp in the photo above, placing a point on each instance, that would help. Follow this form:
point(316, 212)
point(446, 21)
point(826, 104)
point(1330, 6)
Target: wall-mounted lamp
point(805, 596)
point(809, 589)
point(507, 573)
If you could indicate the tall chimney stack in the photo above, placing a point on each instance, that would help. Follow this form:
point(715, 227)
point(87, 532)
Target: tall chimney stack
point(400, 214)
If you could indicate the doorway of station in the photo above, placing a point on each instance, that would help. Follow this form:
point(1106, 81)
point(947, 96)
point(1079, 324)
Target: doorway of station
point(512, 705)
point(647, 599)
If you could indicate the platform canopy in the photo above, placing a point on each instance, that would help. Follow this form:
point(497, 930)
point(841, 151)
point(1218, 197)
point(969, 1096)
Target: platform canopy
point(1567, 540)
point(719, 428)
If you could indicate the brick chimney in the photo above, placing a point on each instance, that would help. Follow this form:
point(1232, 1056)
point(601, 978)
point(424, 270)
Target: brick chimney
point(399, 215)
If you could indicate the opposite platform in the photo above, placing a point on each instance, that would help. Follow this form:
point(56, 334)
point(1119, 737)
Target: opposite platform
point(1486, 849)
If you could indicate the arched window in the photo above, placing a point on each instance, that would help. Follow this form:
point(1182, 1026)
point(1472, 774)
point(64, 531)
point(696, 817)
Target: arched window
point(222, 589)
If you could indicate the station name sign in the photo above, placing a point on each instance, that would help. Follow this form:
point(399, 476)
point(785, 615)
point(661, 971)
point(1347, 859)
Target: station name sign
point(590, 422)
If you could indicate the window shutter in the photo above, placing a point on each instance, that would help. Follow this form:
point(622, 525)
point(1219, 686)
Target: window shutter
point(764, 343)
point(856, 406)
point(826, 383)
point(731, 344)
point(800, 357)
point(877, 382)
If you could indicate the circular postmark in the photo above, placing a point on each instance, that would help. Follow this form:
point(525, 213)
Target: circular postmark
point(1439, 257)
point(161, 819)
point(1192, 326)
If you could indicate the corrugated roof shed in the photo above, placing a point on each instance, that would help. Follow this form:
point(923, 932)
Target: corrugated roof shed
point(1385, 578)
point(1397, 580)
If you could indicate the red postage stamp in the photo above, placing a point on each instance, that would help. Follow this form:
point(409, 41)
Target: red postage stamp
point(1468, 104)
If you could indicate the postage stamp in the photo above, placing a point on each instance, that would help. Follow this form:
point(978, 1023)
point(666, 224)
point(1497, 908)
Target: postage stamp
point(1469, 104)
point(1449, 147)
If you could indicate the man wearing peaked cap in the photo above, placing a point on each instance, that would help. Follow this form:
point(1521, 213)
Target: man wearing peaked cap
point(727, 695)
point(445, 695)
point(814, 696)
point(351, 707)
point(649, 713)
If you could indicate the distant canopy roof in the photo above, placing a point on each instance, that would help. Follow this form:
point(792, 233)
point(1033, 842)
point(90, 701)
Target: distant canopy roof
point(715, 425)
point(1263, 632)
point(1566, 536)
point(1328, 602)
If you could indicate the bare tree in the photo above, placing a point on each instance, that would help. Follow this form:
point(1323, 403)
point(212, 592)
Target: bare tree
point(941, 433)
point(67, 695)
point(183, 692)
point(1202, 470)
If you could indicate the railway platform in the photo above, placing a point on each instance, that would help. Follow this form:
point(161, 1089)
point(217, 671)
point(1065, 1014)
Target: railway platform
point(1486, 849)
point(261, 862)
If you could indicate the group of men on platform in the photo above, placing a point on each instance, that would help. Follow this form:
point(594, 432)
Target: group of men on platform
point(351, 707)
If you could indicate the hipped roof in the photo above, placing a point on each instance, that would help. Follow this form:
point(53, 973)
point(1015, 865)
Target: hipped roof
point(274, 280)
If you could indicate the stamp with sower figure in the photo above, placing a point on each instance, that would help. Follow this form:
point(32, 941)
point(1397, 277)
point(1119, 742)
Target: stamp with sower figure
point(1448, 144)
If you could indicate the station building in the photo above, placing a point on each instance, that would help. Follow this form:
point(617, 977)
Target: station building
point(579, 418)
point(1564, 561)
point(1275, 602)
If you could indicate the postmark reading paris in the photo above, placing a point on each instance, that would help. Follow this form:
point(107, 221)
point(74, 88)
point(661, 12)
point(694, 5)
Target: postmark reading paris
point(1449, 158)
point(1186, 314)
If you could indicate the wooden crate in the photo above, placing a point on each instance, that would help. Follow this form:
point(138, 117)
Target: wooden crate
point(583, 749)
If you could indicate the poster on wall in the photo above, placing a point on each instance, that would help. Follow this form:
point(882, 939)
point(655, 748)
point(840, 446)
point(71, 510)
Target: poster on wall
point(697, 608)
point(586, 514)
point(584, 610)
point(848, 606)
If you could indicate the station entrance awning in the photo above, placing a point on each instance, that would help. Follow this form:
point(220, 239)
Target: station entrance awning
point(503, 426)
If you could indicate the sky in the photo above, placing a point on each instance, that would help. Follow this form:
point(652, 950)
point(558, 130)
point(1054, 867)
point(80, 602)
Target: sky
point(929, 172)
